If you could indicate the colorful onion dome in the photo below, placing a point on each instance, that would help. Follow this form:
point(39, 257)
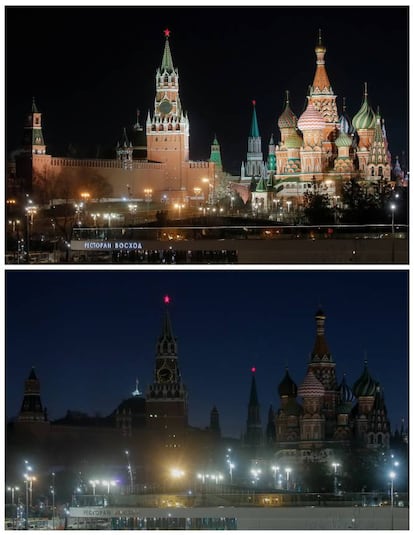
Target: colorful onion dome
point(294, 141)
point(345, 392)
point(365, 117)
point(343, 140)
point(365, 385)
point(288, 119)
point(311, 119)
point(287, 387)
point(311, 387)
point(345, 123)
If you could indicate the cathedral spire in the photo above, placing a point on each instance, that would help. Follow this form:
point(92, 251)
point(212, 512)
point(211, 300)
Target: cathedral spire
point(320, 348)
point(321, 83)
point(167, 344)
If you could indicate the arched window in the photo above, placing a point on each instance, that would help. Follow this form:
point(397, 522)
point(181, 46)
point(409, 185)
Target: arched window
point(372, 171)
point(380, 170)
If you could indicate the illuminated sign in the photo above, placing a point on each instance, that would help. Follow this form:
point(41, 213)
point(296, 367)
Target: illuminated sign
point(104, 245)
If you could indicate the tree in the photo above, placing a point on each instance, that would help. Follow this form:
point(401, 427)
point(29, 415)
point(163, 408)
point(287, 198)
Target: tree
point(317, 209)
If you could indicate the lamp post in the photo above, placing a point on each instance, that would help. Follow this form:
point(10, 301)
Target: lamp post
point(392, 477)
point(129, 468)
point(393, 208)
point(108, 485)
point(275, 471)
point(288, 471)
point(52, 490)
point(31, 211)
point(231, 465)
point(335, 467)
point(12, 490)
point(94, 482)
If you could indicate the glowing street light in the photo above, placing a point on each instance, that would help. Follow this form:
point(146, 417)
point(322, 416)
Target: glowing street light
point(392, 477)
point(52, 490)
point(12, 490)
point(108, 485)
point(94, 482)
point(129, 468)
point(275, 470)
point(288, 471)
point(177, 473)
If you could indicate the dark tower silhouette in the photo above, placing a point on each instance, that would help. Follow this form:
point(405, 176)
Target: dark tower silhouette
point(167, 395)
point(254, 435)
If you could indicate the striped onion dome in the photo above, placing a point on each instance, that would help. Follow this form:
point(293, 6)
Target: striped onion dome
point(311, 387)
point(343, 140)
point(287, 387)
point(294, 141)
point(345, 392)
point(311, 119)
point(288, 119)
point(365, 117)
point(365, 385)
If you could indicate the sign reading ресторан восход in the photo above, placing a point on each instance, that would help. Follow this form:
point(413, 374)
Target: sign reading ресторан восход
point(105, 245)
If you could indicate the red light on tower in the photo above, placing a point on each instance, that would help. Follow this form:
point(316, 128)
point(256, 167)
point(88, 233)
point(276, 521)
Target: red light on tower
point(167, 32)
point(253, 370)
point(254, 102)
point(166, 299)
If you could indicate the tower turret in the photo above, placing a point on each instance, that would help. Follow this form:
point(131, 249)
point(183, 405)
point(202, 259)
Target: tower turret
point(168, 130)
point(32, 409)
point(254, 434)
point(167, 395)
point(254, 159)
point(321, 93)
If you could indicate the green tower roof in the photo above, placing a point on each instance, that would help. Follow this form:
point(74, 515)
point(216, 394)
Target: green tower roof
point(254, 130)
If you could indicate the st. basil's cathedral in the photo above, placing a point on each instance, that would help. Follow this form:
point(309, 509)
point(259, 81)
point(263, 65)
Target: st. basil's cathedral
point(313, 422)
point(317, 152)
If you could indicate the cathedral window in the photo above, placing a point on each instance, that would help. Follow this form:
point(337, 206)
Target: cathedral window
point(380, 171)
point(372, 171)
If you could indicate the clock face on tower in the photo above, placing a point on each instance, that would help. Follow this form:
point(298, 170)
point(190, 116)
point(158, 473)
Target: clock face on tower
point(164, 375)
point(165, 107)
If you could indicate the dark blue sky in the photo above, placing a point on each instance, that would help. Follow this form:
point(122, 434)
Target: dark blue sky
point(90, 333)
point(91, 68)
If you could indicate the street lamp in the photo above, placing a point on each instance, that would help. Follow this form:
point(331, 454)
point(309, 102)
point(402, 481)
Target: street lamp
point(275, 471)
point(129, 468)
point(393, 208)
point(94, 482)
point(231, 465)
point(52, 490)
point(12, 490)
point(392, 477)
point(335, 467)
point(288, 205)
point(288, 471)
point(109, 484)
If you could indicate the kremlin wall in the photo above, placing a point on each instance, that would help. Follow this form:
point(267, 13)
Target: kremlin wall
point(317, 153)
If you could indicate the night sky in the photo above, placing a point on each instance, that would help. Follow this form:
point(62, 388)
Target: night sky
point(90, 333)
point(91, 68)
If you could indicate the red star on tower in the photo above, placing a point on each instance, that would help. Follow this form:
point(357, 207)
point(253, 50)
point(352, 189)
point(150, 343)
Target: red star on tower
point(167, 299)
point(167, 32)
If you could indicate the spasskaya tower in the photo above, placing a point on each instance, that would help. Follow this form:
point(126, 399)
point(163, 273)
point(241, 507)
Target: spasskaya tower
point(168, 129)
point(166, 400)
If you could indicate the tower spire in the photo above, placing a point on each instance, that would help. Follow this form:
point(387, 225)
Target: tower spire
point(167, 62)
point(253, 437)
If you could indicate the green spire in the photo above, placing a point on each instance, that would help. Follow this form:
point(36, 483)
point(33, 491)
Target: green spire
point(34, 107)
point(167, 63)
point(254, 130)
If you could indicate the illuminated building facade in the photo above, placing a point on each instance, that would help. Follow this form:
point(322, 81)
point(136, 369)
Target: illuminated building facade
point(318, 151)
point(157, 160)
